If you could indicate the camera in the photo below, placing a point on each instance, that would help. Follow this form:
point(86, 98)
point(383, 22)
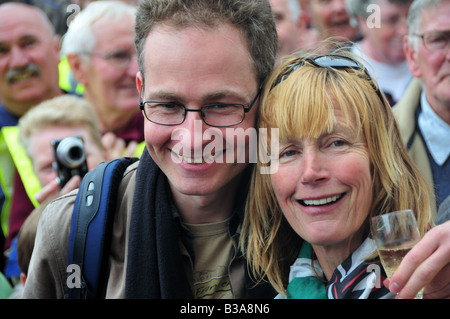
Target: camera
point(69, 158)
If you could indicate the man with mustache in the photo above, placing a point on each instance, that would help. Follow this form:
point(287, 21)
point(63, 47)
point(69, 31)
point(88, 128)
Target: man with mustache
point(29, 57)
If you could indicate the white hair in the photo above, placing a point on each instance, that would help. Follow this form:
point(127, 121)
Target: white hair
point(418, 7)
point(79, 38)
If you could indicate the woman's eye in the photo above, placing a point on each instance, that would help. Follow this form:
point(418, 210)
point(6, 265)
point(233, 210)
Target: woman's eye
point(288, 153)
point(338, 143)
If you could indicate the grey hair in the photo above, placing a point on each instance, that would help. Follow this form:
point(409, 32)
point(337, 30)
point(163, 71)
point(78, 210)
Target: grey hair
point(252, 17)
point(79, 38)
point(414, 21)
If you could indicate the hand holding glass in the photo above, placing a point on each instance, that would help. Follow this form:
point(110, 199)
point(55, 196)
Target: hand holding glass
point(395, 234)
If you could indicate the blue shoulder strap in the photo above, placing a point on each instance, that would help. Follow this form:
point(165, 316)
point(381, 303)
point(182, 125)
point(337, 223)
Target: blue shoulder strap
point(91, 227)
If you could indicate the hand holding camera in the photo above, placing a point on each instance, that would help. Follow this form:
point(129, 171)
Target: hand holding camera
point(69, 158)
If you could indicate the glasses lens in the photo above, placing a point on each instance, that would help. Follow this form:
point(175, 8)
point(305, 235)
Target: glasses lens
point(119, 58)
point(223, 114)
point(436, 40)
point(164, 113)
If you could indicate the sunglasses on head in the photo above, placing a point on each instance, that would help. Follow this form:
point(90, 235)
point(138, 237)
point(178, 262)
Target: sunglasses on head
point(334, 61)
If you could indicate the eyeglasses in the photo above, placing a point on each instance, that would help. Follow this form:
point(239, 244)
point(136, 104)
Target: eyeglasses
point(119, 58)
point(334, 61)
point(215, 114)
point(435, 40)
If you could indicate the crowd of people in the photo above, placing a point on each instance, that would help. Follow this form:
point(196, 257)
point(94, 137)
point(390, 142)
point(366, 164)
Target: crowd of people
point(356, 95)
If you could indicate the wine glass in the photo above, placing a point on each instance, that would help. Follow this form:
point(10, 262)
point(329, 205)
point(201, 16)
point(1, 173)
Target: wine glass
point(395, 234)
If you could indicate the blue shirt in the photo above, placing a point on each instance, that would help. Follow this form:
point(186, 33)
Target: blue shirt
point(6, 118)
point(435, 131)
point(436, 134)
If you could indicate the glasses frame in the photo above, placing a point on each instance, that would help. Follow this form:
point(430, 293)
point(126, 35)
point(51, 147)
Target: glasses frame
point(246, 109)
point(334, 61)
point(422, 36)
point(109, 57)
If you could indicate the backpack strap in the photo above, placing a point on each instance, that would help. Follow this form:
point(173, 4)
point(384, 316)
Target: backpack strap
point(91, 227)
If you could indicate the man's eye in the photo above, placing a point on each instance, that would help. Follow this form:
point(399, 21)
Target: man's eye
point(120, 55)
point(4, 50)
point(223, 108)
point(28, 42)
point(167, 105)
point(438, 37)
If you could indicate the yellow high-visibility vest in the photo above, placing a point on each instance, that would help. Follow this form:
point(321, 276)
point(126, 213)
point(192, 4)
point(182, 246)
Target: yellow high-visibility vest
point(13, 156)
point(66, 80)
point(139, 149)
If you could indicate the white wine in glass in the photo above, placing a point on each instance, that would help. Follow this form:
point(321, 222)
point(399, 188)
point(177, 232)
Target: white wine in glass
point(395, 234)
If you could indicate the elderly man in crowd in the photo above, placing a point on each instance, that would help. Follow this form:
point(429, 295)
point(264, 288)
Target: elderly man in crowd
point(424, 112)
point(100, 50)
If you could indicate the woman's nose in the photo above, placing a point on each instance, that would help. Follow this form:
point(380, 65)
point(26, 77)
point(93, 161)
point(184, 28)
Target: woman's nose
point(313, 167)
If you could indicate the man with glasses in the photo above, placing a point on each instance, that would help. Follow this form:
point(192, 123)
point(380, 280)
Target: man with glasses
point(100, 51)
point(178, 214)
point(177, 223)
point(424, 113)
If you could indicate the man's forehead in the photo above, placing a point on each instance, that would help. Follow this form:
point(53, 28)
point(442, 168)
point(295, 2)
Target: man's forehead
point(24, 20)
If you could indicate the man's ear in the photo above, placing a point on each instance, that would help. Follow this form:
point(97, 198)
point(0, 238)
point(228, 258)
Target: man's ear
point(412, 58)
point(140, 87)
point(139, 81)
point(56, 44)
point(78, 67)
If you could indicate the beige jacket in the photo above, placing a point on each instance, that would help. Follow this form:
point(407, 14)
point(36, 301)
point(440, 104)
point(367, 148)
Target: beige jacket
point(405, 114)
point(47, 273)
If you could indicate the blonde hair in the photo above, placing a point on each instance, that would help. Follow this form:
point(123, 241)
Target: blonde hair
point(64, 110)
point(302, 105)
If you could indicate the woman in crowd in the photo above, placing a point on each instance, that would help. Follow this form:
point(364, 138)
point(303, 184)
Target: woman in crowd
point(340, 162)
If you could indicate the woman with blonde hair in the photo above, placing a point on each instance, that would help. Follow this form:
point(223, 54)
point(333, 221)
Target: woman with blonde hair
point(340, 162)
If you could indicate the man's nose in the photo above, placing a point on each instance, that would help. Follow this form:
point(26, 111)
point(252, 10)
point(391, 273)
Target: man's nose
point(194, 124)
point(18, 58)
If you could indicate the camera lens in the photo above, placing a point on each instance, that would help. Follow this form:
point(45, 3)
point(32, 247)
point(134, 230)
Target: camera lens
point(70, 152)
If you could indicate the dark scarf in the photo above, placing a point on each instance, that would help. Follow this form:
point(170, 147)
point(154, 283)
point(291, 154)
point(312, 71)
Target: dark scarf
point(155, 266)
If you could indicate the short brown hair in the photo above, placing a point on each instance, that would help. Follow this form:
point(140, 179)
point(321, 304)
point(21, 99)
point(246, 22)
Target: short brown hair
point(252, 17)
